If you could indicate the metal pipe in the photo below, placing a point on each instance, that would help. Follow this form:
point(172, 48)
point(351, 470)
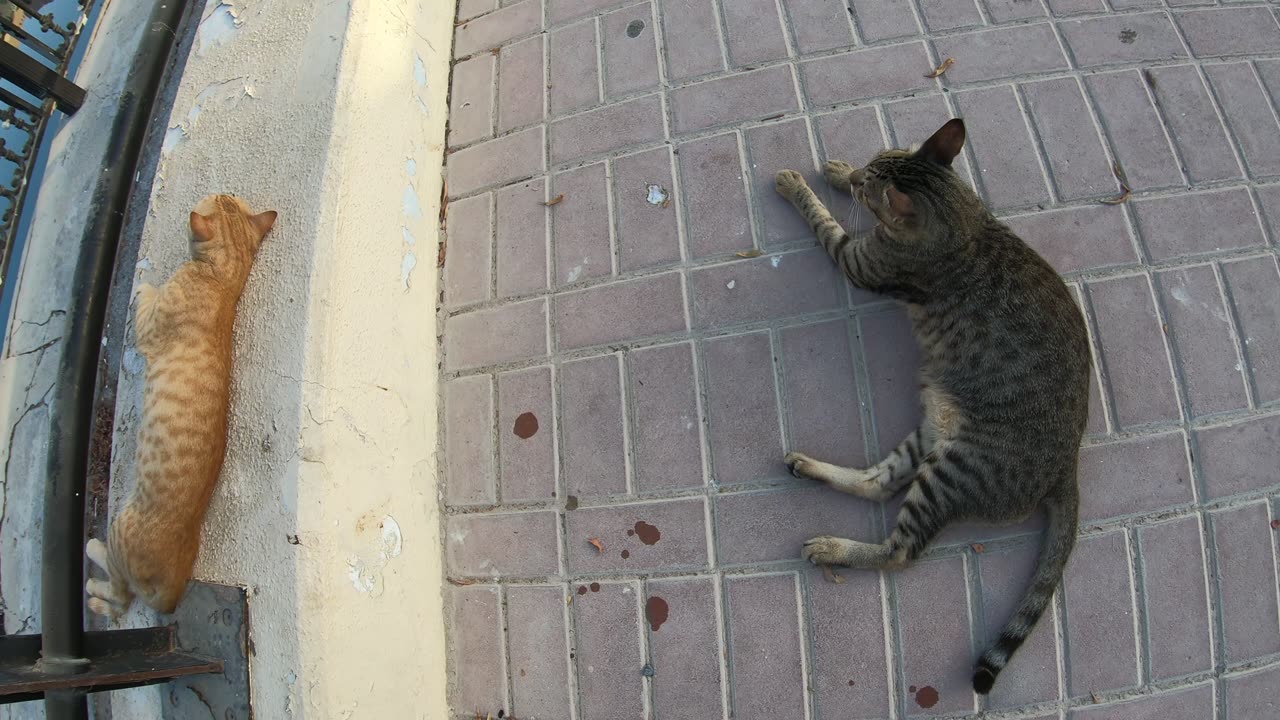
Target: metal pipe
point(70, 409)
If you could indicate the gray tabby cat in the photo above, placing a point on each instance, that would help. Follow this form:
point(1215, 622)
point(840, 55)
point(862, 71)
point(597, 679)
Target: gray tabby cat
point(1005, 376)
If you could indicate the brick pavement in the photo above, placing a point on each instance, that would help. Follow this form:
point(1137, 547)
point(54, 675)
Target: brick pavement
point(614, 370)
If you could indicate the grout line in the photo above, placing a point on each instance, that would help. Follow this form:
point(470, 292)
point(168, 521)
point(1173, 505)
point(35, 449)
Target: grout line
point(1141, 615)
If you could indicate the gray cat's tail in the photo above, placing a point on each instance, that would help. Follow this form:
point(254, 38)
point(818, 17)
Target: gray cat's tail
point(1059, 540)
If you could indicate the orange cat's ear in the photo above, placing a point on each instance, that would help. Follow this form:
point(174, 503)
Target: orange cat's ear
point(899, 203)
point(201, 227)
point(263, 221)
point(944, 145)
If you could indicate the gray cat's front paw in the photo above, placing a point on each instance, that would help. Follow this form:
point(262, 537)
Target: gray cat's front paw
point(837, 173)
point(789, 184)
point(826, 550)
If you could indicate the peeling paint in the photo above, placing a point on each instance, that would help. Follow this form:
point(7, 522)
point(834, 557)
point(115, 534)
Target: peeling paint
point(411, 167)
point(392, 540)
point(412, 208)
point(217, 28)
point(133, 361)
point(657, 195)
point(406, 268)
point(776, 260)
point(407, 236)
point(419, 71)
point(232, 90)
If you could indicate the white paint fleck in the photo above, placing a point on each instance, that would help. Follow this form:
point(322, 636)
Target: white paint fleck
point(392, 540)
point(419, 71)
point(731, 284)
point(291, 677)
point(411, 167)
point(574, 273)
point(1180, 294)
point(172, 138)
point(144, 264)
point(656, 194)
point(422, 106)
point(217, 28)
point(776, 260)
point(412, 208)
point(361, 579)
point(406, 268)
point(133, 361)
point(407, 236)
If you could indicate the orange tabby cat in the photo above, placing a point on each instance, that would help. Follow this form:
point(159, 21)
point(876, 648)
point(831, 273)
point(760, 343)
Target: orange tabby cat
point(184, 332)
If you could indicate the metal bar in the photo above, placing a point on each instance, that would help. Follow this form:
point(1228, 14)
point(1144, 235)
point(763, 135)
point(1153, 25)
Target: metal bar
point(31, 40)
point(33, 76)
point(47, 22)
point(71, 406)
point(14, 101)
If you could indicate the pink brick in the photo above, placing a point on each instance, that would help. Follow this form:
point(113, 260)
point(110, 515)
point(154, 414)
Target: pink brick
point(1114, 39)
point(1001, 52)
point(862, 74)
point(1010, 10)
point(1202, 341)
point(476, 634)
point(949, 15)
point(496, 162)
point(893, 372)
point(1177, 610)
point(502, 545)
point(498, 27)
point(685, 650)
point(1197, 223)
point(1241, 457)
point(1252, 695)
point(1077, 162)
point(664, 536)
point(1254, 293)
point(1133, 353)
point(562, 11)
point(719, 217)
point(592, 459)
point(502, 334)
point(609, 658)
point(521, 84)
point(1244, 103)
point(536, 643)
point(1032, 676)
point(471, 102)
point(742, 409)
point(933, 621)
point(1078, 239)
point(608, 128)
point(522, 238)
point(732, 99)
point(1002, 147)
point(575, 75)
point(1193, 123)
point(756, 527)
point(468, 9)
point(847, 635)
point(469, 440)
point(1155, 471)
point(583, 249)
point(1246, 589)
point(1099, 621)
point(692, 35)
point(527, 462)
point(1074, 7)
point(630, 63)
point(819, 25)
point(622, 311)
point(883, 19)
point(821, 396)
point(752, 32)
point(1230, 31)
point(764, 647)
point(803, 282)
point(1127, 118)
point(648, 235)
point(1195, 703)
point(771, 148)
point(470, 250)
point(667, 429)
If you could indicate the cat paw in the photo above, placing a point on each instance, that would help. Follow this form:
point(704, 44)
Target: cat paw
point(789, 183)
point(796, 464)
point(826, 550)
point(101, 607)
point(837, 173)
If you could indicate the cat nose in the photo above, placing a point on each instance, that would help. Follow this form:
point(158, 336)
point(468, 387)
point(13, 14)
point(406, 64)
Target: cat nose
point(857, 177)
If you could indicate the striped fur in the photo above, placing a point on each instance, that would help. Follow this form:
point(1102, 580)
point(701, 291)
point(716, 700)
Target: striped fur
point(1004, 377)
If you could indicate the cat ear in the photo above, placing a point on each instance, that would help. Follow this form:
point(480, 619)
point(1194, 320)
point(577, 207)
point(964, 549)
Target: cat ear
point(263, 221)
point(201, 227)
point(899, 203)
point(945, 144)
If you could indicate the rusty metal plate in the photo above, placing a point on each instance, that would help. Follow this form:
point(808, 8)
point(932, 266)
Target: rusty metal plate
point(212, 621)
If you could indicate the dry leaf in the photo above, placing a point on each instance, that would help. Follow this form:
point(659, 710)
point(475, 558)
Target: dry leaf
point(753, 252)
point(666, 203)
point(945, 66)
point(463, 582)
point(1094, 695)
point(599, 546)
point(555, 200)
point(1124, 186)
point(495, 50)
point(830, 574)
point(773, 117)
point(978, 547)
point(1275, 524)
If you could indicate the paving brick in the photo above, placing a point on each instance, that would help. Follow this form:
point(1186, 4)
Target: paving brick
point(1114, 39)
point(1078, 239)
point(648, 234)
point(609, 656)
point(1203, 347)
point(914, 120)
point(685, 649)
point(821, 396)
point(1077, 161)
point(756, 527)
point(719, 218)
point(1269, 72)
point(503, 334)
point(949, 15)
point(1255, 297)
point(1195, 703)
point(854, 136)
point(563, 11)
point(521, 84)
point(471, 102)
point(1246, 593)
point(667, 429)
point(1010, 10)
point(862, 74)
point(1074, 7)
point(1101, 655)
point(526, 435)
point(1197, 223)
point(522, 238)
point(470, 233)
point(668, 535)
point(1252, 695)
point(884, 19)
point(819, 25)
point(742, 409)
point(1133, 4)
point(1155, 472)
point(609, 128)
point(476, 634)
point(769, 149)
point(1001, 52)
point(1230, 31)
point(1177, 608)
point(468, 9)
point(1244, 103)
point(575, 79)
point(1193, 123)
point(893, 372)
point(593, 455)
point(1133, 358)
point(933, 622)
point(732, 99)
point(1239, 458)
point(1002, 148)
point(765, 656)
point(496, 28)
point(800, 282)
point(1127, 118)
point(536, 642)
point(1269, 199)
point(502, 545)
point(692, 38)
point(847, 635)
point(630, 51)
point(496, 162)
point(620, 311)
point(581, 238)
point(753, 32)
point(1033, 675)
point(469, 440)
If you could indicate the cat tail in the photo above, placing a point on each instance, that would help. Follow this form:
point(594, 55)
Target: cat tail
point(1059, 540)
